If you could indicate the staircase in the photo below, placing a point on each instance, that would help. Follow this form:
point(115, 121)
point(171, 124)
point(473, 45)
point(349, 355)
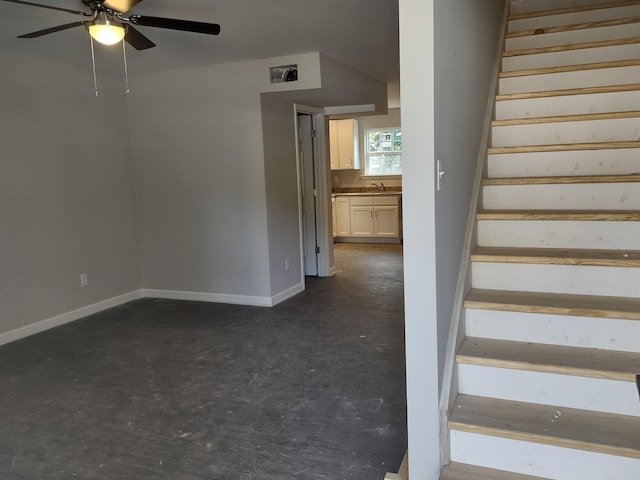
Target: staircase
point(547, 372)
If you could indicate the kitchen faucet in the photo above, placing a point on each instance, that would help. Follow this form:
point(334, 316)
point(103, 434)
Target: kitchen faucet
point(380, 187)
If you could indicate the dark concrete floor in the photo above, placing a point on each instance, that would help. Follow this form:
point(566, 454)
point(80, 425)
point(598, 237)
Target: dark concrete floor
point(170, 390)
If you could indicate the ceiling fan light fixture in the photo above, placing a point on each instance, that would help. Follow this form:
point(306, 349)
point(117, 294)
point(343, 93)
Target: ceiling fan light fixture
point(106, 32)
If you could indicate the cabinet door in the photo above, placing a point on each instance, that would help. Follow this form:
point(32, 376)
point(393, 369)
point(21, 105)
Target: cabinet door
point(386, 221)
point(334, 150)
point(333, 216)
point(346, 144)
point(362, 221)
point(343, 220)
point(343, 144)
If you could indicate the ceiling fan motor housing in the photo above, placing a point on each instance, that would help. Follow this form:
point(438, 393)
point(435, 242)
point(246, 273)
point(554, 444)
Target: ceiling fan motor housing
point(109, 16)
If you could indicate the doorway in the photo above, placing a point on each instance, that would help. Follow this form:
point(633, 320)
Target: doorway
point(316, 232)
point(308, 193)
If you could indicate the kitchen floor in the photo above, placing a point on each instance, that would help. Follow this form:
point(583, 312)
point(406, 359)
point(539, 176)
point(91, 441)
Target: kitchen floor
point(160, 389)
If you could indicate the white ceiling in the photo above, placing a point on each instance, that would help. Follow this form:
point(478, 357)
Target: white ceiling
point(359, 33)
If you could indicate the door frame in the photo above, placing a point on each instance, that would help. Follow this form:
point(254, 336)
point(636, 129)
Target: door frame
point(309, 198)
point(323, 195)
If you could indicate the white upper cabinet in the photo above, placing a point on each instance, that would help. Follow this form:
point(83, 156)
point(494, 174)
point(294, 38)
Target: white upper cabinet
point(343, 144)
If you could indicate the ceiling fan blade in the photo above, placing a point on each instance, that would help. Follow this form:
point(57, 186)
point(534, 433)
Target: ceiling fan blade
point(31, 4)
point(47, 31)
point(175, 24)
point(121, 6)
point(137, 40)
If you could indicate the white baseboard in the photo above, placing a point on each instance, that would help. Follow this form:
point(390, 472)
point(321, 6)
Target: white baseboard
point(79, 313)
point(224, 297)
point(287, 294)
point(68, 317)
point(207, 297)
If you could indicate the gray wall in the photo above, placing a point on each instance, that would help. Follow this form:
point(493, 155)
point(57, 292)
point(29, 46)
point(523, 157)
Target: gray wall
point(197, 143)
point(466, 41)
point(447, 49)
point(174, 180)
point(418, 209)
point(217, 196)
point(66, 191)
point(281, 181)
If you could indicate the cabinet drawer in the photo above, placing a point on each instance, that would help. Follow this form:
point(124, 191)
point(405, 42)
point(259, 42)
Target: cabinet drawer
point(385, 200)
point(361, 200)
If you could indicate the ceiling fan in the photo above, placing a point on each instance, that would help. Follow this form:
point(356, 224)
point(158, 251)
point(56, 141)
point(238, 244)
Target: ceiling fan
point(107, 23)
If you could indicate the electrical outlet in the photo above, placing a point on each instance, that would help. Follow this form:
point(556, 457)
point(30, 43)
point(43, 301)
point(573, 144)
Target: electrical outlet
point(84, 280)
point(286, 264)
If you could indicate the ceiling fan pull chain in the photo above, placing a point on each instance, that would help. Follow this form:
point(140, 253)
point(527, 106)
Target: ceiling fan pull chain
point(126, 70)
point(93, 63)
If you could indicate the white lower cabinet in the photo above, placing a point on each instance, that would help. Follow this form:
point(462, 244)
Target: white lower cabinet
point(333, 215)
point(369, 216)
point(343, 217)
point(362, 221)
point(386, 221)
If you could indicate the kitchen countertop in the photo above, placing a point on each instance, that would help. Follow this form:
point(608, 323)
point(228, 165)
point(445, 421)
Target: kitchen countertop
point(363, 194)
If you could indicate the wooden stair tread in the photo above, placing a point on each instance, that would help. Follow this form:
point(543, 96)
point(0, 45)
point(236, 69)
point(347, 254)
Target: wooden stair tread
point(571, 28)
point(565, 180)
point(578, 361)
point(580, 8)
point(558, 256)
point(583, 117)
point(403, 471)
point(461, 471)
point(570, 47)
point(570, 68)
point(564, 427)
point(573, 215)
point(563, 147)
point(624, 308)
point(568, 92)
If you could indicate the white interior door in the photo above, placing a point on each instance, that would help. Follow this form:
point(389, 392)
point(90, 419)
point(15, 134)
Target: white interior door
point(309, 194)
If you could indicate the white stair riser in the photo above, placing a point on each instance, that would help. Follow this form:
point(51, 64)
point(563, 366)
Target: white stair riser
point(541, 460)
point(573, 18)
point(572, 37)
point(571, 57)
point(568, 105)
point(566, 330)
point(600, 395)
point(589, 131)
point(559, 234)
point(573, 279)
point(575, 79)
point(622, 161)
point(580, 196)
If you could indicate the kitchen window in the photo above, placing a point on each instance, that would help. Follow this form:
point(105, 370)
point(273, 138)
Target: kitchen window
point(383, 152)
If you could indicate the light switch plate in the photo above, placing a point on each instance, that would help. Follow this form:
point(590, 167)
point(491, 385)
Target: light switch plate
point(440, 175)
